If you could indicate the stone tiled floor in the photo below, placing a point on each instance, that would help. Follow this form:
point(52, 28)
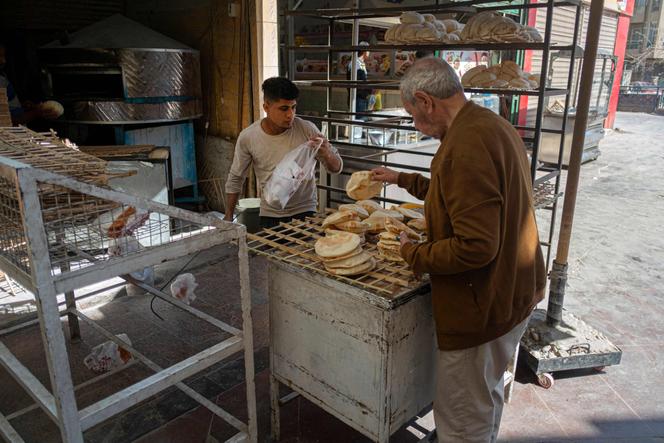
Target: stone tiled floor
point(615, 285)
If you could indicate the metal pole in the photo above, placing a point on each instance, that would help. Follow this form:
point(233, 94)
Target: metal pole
point(559, 268)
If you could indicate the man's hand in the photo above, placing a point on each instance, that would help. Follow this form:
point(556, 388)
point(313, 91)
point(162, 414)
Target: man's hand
point(385, 175)
point(326, 154)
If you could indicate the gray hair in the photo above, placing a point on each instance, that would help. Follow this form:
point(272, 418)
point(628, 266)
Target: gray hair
point(432, 76)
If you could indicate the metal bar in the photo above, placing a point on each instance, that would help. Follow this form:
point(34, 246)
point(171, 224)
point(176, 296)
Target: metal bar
point(185, 307)
point(343, 191)
point(43, 176)
point(479, 46)
point(125, 265)
point(85, 384)
point(557, 287)
point(570, 79)
point(391, 148)
point(248, 338)
point(385, 163)
point(47, 308)
point(288, 397)
point(8, 431)
point(347, 13)
point(543, 80)
point(359, 123)
point(118, 402)
point(22, 278)
point(29, 382)
point(547, 177)
point(35, 320)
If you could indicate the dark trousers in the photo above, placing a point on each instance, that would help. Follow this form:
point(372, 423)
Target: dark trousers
point(271, 222)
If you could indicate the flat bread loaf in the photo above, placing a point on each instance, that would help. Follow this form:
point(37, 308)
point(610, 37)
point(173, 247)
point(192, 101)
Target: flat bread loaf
point(362, 187)
point(337, 245)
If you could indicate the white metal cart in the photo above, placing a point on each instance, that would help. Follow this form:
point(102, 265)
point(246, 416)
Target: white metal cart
point(55, 231)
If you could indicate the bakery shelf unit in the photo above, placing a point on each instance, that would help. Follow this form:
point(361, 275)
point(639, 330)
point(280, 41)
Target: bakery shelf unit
point(63, 229)
point(368, 140)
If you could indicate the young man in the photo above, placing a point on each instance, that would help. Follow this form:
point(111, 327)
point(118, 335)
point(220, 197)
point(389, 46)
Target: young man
point(482, 250)
point(266, 142)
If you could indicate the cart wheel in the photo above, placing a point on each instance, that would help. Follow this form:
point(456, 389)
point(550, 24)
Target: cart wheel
point(545, 380)
point(599, 368)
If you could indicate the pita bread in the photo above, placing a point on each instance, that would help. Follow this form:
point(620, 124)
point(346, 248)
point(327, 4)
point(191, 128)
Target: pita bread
point(361, 187)
point(360, 269)
point(369, 205)
point(408, 214)
point(384, 213)
point(350, 254)
point(388, 236)
point(359, 210)
point(397, 227)
point(350, 262)
point(376, 224)
point(389, 255)
point(358, 227)
point(389, 245)
point(339, 217)
point(419, 224)
point(330, 231)
point(337, 245)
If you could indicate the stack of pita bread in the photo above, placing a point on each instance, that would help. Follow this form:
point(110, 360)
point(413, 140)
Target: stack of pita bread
point(489, 26)
point(389, 244)
point(423, 28)
point(342, 254)
point(505, 75)
point(414, 218)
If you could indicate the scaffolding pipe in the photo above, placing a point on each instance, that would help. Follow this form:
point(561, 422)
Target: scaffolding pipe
point(559, 269)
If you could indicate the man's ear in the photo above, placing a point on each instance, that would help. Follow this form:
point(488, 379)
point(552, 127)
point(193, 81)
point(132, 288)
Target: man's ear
point(266, 105)
point(424, 99)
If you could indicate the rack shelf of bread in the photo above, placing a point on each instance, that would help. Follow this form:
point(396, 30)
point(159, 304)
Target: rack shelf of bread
point(505, 75)
point(484, 27)
point(358, 242)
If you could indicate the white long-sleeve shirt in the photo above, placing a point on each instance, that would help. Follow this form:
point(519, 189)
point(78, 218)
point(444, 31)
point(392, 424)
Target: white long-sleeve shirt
point(266, 151)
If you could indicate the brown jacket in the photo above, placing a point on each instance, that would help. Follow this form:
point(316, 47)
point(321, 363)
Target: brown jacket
point(483, 253)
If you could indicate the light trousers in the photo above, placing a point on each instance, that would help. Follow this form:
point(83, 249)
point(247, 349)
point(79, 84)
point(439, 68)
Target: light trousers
point(470, 389)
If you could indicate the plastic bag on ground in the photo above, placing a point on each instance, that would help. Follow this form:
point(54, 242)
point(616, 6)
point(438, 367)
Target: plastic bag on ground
point(108, 356)
point(295, 168)
point(183, 288)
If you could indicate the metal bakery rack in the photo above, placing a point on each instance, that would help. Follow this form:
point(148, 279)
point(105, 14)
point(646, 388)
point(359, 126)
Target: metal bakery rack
point(391, 140)
point(62, 228)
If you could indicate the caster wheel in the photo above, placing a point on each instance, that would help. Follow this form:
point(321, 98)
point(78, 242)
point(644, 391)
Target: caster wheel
point(545, 380)
point(599, 368)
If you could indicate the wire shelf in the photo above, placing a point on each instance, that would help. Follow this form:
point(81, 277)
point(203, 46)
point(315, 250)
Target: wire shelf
point(293, 243)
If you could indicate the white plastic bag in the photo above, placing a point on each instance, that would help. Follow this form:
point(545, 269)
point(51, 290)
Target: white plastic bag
point(295, 168)
point(108, 356)
point(122, 246)
point(183, 288)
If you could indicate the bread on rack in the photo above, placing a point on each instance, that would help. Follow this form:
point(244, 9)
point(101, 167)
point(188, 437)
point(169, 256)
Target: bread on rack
point(361, 212)
point(342, 254)
point(338, 245)
point(503, 75)
point(369, 205)
point(354, 226)
point(339, 217)
point(411, 18)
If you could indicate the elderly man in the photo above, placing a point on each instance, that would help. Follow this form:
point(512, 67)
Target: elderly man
point(482, 253)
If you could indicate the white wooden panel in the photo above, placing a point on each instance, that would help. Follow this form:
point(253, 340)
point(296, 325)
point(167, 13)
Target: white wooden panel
point(411, 360)
point(329, 345)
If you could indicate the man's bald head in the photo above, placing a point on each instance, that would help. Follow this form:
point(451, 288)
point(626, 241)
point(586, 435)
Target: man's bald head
point(432, 76)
